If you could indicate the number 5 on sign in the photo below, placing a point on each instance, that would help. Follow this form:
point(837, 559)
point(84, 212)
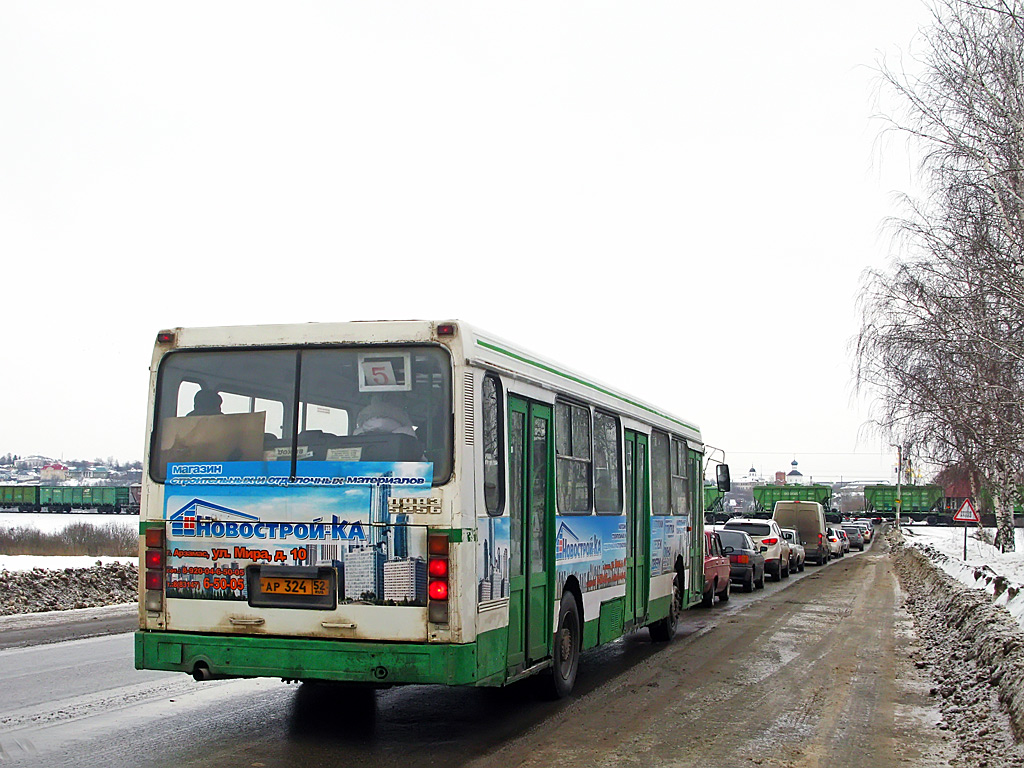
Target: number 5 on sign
point(378, 373)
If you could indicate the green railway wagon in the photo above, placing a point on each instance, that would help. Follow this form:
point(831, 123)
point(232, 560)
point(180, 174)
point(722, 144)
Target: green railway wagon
point(714, 499)
point(765, 496)
point(68, 498)
point(918, 502)
point(24, 498)
point(986, 503)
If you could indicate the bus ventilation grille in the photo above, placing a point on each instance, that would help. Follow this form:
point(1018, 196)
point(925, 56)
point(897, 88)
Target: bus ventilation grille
point(469, 406)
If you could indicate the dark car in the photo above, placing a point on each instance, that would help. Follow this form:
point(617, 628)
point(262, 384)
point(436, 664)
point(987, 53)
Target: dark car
point(855, 535)
point(746, 559)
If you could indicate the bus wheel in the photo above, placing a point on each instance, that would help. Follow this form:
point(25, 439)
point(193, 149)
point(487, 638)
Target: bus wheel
point(567, 647)
point(664, 630)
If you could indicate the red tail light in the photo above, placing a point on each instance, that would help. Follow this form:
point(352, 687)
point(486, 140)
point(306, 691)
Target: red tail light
point(740, 559)
point(438, 548)
point(438, 590)
point(154, 561)
point(770, 542)
point(154, 580)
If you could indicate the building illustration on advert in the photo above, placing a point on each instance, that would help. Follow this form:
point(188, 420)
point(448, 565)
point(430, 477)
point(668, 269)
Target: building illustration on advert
point(493, 565)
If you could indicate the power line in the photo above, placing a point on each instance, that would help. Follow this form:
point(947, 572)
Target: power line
point(811, 453)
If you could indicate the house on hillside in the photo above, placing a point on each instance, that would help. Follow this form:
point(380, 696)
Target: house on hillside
point(54, 473)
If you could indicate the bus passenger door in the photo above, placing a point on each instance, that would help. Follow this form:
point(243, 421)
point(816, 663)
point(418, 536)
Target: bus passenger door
point(530, 507)
point(638, 528)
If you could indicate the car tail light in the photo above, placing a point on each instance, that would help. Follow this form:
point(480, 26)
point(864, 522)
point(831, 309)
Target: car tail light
point(154, 561)
point(740, 559)
point(770, 542)
point(438, 550)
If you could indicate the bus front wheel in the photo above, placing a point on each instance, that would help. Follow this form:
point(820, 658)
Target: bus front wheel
point(566, 661)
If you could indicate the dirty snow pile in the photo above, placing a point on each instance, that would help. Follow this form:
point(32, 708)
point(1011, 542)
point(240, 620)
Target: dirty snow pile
point(46, 589)
point(974, 651)
point(999, 575)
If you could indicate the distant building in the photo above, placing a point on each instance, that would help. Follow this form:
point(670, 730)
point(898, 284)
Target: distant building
point(32, 462)
point(795, 477)
point(54, 473)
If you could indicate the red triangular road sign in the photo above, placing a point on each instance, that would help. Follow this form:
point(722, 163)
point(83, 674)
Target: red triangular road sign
point(966, 513)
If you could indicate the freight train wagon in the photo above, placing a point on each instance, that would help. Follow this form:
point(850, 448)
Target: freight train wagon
point(714, 504)
point(67, 498)
point(920, 503)
point(765, 497)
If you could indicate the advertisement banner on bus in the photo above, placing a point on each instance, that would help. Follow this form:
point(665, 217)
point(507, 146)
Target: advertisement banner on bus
point(668, 540)
point(348, 517)
point(593, 549)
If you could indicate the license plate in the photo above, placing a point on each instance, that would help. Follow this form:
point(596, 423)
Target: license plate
point(281, 586)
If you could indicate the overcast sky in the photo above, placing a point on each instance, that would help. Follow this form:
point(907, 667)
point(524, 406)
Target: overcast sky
point(676, 199)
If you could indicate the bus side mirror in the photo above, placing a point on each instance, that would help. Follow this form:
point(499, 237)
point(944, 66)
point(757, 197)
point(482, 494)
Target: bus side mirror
point(723, 478)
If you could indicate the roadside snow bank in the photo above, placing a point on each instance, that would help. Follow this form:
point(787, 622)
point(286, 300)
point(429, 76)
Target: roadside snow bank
point(57, 562)
point(997, 574)
point(976, 649)
point(41, 589)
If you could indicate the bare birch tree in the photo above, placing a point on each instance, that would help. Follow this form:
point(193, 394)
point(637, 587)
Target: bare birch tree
point(941, 342)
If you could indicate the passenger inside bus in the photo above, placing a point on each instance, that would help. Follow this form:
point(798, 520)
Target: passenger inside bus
point(381, 415)
point(207, 402)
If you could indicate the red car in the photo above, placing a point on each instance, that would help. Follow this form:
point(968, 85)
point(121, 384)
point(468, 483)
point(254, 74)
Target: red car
point(716, 570)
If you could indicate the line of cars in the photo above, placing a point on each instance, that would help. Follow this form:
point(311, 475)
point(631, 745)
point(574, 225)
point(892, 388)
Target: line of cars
point(796, 534)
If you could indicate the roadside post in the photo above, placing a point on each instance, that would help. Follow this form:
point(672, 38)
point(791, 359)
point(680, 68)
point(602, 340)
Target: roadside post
point(966, 514)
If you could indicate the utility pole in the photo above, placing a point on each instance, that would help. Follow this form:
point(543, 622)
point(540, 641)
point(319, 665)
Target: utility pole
point(899, 483)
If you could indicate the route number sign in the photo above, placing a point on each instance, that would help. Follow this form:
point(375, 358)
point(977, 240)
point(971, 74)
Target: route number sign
point(385, 373)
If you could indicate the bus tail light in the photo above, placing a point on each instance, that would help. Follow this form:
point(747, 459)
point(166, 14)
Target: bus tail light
point(437, 578)
point(154, 569)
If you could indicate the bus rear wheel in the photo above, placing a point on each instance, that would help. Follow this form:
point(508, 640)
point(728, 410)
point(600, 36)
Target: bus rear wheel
point(664, 630)
point(566, 660)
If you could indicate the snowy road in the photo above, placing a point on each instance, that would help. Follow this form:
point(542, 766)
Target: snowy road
point(730, 691)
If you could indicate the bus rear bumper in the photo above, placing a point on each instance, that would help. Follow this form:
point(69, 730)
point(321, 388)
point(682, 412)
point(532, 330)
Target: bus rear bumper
point(219, 656)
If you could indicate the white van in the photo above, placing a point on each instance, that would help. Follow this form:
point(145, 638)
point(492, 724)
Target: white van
point(807, 518)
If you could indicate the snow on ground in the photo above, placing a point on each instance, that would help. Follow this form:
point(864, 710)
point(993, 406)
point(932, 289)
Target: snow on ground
point(53, 523)
point(999, 574)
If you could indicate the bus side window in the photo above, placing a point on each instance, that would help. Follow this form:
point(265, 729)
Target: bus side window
point(494, 478)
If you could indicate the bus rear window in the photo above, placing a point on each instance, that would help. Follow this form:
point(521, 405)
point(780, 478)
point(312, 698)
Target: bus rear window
point(326, 404)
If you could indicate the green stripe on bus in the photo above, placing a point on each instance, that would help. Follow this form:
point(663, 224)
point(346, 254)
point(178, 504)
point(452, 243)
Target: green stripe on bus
point(584, 382)
point(303, 658)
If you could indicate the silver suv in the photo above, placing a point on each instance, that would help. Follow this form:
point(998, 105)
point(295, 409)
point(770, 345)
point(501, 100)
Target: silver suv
point(768, 537)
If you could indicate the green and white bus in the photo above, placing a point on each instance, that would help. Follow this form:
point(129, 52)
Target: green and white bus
point(383, 503)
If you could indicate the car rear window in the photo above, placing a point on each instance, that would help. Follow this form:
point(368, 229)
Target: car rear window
point(753, 529)
point(733, 539)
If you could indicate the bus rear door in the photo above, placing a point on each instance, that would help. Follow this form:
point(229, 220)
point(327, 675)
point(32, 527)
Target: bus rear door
point(530, 508)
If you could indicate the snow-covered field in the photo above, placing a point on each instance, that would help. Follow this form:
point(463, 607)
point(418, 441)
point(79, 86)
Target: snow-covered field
point(53, 523)
point(984, 564)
